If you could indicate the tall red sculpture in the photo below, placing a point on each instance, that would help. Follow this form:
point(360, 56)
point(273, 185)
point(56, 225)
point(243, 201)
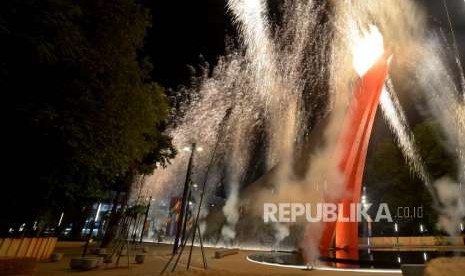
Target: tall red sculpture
point(353, 145)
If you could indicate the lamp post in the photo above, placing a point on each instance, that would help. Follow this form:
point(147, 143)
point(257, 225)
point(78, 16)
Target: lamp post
point(58, 227)
point(365, 205)
point(184, 200)
point(422, 230)
point(61, 219)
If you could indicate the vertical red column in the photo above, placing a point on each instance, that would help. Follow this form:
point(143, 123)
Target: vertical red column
point(353, 145)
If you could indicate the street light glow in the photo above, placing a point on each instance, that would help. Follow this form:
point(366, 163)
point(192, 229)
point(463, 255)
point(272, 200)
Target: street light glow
point(396, 227)
point(98, 211)
point(189, 148)
point(61, 219)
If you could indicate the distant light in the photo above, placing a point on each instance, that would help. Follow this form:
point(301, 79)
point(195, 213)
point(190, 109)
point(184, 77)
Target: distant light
point(61, 219)
point(190, 203)
point(396, 228)
point(98, 211)
point(398, 259)
point(195, 185)
point(212, 205)
point(199, 149)
point(425, 256)
point(461, 224)
point(364, 199)
point(421, 228)
point(186, 149)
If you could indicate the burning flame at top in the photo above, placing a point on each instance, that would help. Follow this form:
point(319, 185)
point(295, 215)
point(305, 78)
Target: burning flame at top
point(367, 48)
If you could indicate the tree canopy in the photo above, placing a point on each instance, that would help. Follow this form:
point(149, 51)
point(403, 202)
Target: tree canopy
point(390, 179)
point(85, 111)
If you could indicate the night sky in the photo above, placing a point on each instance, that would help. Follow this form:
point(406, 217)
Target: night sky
point(186, 33)
point(191, 32)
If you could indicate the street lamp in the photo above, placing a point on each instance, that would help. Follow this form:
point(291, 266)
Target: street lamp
point(185, 195)
point(61, 219)
point(189, 149)
point(365, 206)
point(98, 212)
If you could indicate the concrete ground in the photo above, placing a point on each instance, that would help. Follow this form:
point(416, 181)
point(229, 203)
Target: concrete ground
point(159, 254)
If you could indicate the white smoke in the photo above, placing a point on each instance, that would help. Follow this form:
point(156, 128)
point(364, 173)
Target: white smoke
point(281, 232)
point(231, 212)
point(443, 97)
point(452, 198)
point(262, 84)
point(395, 116)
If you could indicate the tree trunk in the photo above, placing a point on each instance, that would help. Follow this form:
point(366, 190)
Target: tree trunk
point(112, 222)
point(78, 224)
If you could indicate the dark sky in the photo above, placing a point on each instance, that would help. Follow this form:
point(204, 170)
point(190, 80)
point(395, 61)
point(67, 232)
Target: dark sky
point(185, 30)
point(437, 13)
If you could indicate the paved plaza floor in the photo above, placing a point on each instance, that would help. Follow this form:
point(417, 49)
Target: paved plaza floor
point(159, 254)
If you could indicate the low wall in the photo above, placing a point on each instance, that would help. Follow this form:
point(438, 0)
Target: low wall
point(38, 248)
point(413, 241)
point(69, 244)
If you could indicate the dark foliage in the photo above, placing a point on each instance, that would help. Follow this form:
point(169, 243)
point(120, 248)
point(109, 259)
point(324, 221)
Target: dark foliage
point(85, 112)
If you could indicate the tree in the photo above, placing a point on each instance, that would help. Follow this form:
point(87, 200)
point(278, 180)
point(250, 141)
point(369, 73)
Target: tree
point(391, 180)
point(433, 149)
point(84, 109)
